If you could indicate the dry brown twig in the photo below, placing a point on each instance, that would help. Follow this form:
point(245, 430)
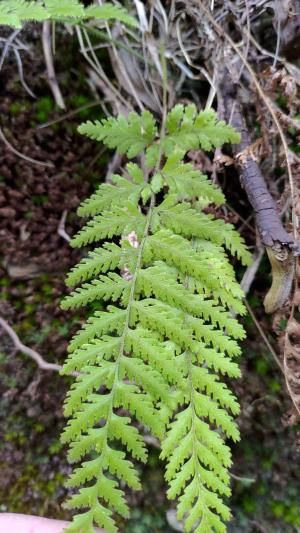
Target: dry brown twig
point(70, 114)
point(264, 337)
point(91, 58)
point(61, 227)
point(33, 354)
point(52, 80)
point(23, 156)
point(251, 271)
point(8, 42)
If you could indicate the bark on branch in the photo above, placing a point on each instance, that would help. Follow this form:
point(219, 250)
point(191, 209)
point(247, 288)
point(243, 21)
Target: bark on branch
point(268, 220)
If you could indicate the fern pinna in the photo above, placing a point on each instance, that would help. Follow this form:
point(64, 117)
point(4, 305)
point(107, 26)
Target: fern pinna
point(163, 332)
point(15, 12)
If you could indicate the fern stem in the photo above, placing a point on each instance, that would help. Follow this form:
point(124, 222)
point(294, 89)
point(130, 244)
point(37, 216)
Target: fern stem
point(128, 312)
point(141, 248)
point(133, 287)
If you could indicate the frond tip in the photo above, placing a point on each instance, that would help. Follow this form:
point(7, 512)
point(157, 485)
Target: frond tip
point(15, 12)
point(155, 358)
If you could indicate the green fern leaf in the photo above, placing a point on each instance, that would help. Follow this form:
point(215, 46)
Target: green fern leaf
point(13, 12)
point(100, 260)
point(118, 193)
point(110, 12)
point(60, 9)
point(188, 183)
point(156, 357)
point(118, 221)
point(188, 129)
point(111, 287)
point(190, 223)
point(101, 323)
point(127, 135)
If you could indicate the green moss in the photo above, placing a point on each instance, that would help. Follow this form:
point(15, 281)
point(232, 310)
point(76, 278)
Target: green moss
point(31, 479)
point(26, 325)
point(40, 199)
point(4, 282)
point(262, 489)
point(249, 504)
point(261, 367)
point(34, 482)
point(267, 463)
point(45, 278)
point(47, 288)
point(28, 215)
point(16, 108)
point(274, 385)
point(29, 308)
point(64, 329)
point(289, 513)
point(8, 381)
point(142, 521)
point(282, 324)
point(45, 105)
point(37, 336)
point(282, 101)
point(55, 447)
point(254, 301)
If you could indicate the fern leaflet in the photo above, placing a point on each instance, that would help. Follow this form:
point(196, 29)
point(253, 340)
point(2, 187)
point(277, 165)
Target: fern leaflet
point(15, 12)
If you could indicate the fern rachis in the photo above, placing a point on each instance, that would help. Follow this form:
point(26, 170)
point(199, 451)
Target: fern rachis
point(159, 349)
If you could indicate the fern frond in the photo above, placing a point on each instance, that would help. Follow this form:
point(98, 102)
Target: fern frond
point(146, 344)
point(118, 221)
point(161, 282)
point(194, 467)
point(100, 260)
point(60, 9)
point(91, 353)
point(188, 222)
point(112, 287)
point(188, 183)
point(127, 135)
point(118, 193)
point(189, 129)
point(99, 515)
point(101, 323)
point(14, 12)
point(144, 375)
point(208, 269)
point(156, 357)
point(111, 12)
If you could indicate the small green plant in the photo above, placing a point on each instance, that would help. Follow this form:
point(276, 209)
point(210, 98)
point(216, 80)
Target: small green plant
point(154, 355)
